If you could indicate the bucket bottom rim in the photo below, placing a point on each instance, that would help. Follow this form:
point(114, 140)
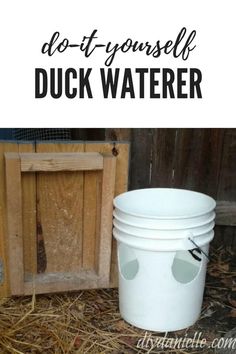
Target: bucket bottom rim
point(160, 329)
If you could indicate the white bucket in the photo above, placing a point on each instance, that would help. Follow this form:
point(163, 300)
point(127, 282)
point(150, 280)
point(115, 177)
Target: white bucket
point(161, 283)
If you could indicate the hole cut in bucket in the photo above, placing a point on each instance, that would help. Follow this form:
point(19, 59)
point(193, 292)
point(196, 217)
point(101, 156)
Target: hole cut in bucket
point(184, 267)
point(128, 263)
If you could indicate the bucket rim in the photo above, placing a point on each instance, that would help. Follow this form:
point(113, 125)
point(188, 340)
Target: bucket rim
point(159, 248)
point(141, 226)
point(185, 231)
point(169, 217)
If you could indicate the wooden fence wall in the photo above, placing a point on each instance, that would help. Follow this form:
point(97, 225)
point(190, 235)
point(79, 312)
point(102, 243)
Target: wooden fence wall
point(203, 160)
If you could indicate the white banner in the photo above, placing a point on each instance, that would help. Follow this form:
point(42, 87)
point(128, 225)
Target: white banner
point(118, 63)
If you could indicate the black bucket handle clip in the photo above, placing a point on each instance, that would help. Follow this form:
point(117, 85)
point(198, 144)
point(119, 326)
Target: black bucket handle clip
point(198, 249)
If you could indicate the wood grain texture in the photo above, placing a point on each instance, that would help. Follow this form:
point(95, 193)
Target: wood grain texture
point(118, 134)
point(225, 236)
point(60, 162)
point(227, 181)
point(121, 186)
point(91, 217)
point(14, 223)
point(105, 241)
point(59, 255)
point(163, 157)
point(60, 215)
point(226, 213)
point(29, 215)
point(57, 282)
point(180, 158)
point(4, 283)
point(141, 158)
point(121, 151)
point(198, 159)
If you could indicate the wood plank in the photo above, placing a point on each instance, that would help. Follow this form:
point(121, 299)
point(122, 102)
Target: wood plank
point(4, 283)
point(58, 282)
point(197, 159)
point(225, 236)
point(61, 162)
point(14, 222)
point(227, 182)
point(29, 215)
point(141, 158)
point(163, 157)
point(181, 158)
point(91, 217)
point(121, 151)
point(92, 212)
point(226, 213)
point(60, 215)
point(105, 241)
point(118, 134)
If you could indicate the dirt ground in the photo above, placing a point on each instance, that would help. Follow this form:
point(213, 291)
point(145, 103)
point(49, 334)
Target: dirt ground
point(89, 321)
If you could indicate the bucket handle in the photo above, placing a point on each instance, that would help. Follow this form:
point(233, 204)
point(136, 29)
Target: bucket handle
point(198, 247)
point(194, 255)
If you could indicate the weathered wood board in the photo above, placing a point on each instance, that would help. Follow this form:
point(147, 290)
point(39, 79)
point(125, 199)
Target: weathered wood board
point(121, 151)
point(203, 160)
point(28, 181)
point(64, 226)
point(15, 165)
point(14, 222)
point(27, 220)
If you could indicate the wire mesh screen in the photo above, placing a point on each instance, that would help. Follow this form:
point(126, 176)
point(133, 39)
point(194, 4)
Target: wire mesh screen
point(42, 134)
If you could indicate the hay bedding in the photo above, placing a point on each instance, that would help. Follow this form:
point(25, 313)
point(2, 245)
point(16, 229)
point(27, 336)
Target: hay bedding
point(89, 321)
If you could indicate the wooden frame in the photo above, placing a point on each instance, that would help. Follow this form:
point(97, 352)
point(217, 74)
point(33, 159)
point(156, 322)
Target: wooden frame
point(18, 163)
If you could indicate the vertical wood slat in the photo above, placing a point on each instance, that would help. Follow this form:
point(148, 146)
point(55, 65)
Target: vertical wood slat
point(180, 158)
point(91, 217)
point(121, 186)
point(60, 214)
point(198, 159)
point(226, 235)
point(163, 157)
point(122, 153)
point(141, 155)
point(227, 180)
point(91, 214)
point(14, 223)
point(29, 215)
point(188, 158)
point(4, 283)
point(105, 242)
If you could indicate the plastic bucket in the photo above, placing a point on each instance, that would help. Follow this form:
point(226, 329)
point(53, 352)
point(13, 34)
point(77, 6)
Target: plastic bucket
point(161, 271)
